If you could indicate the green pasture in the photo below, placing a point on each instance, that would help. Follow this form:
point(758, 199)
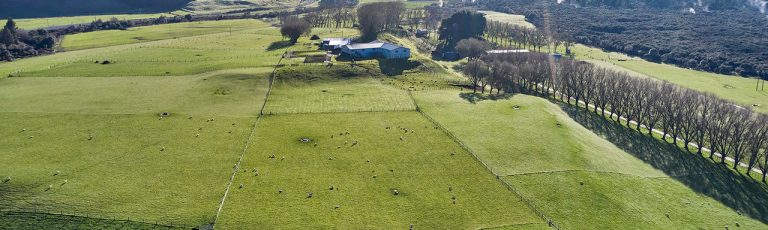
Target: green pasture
point(616, 201)
point(319, 89)
point(514, 19)
point(237, 93)
point(260, 46)
point(153, 33)
point(131, 167)
point(546, 152)
point(36, 23)
point(26, 220)
point(553, 141)
point(352, 163)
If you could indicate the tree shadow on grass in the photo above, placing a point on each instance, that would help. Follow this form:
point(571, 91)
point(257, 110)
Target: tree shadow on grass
point(394, 67)
point(717, 181)
point(279, 45)
point(478, 97)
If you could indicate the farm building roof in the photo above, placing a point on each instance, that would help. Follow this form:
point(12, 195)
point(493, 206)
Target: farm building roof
point(373, 45)
point(337, 41)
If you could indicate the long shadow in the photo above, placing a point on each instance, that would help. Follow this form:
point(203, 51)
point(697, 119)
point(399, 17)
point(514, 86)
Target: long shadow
point(478, 97)
point(279, 45)
point(394, 67)
point(735, 190)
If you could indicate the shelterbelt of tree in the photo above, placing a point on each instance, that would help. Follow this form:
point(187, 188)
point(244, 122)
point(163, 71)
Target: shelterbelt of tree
point(728, 40)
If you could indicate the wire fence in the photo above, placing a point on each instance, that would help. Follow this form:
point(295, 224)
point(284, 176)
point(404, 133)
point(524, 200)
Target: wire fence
point(464, 146)
point(25, 219)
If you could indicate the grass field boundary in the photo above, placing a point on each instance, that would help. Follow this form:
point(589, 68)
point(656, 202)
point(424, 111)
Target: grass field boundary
point(458, 141)
point(603, 172)
point(512, 225)
point(345, 111)
point(247, 142)
point(73, 214)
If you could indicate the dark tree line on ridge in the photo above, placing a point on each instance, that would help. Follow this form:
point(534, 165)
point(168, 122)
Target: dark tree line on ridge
point(727, 41)
point(684, 116)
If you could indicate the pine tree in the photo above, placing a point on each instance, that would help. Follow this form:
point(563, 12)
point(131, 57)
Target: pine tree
point(11, 25)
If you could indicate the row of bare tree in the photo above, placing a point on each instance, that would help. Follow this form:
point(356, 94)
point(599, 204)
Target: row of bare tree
point(685, 116)
point(507, 35)
point(332, 18)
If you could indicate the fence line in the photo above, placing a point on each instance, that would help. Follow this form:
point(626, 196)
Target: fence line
point(113, 221)
point(474, 155)
point(247, 143)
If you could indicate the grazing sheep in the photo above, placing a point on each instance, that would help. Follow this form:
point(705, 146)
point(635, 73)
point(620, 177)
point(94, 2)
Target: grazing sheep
point(279, 191)
point(330, 188)
point(241, 185)
point(450, 188)
point(56, 173)
point(395, 192)
point(337, 206)
point(162, 149)
point(7, 179)
point(310, 194)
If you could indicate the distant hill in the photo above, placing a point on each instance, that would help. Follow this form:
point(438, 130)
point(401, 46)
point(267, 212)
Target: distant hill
point(53, 8)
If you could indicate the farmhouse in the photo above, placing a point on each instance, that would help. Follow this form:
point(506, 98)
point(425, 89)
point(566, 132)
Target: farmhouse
point(334, 43)
point(375, 49)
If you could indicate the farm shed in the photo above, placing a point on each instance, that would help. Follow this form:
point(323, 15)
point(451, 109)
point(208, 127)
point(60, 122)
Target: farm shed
point(375, 49)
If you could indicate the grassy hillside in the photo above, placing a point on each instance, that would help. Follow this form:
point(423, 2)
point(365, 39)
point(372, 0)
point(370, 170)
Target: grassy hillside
point(353, 177)
point(318, 89)
point(87, 140)
point(52, 8)
point(255, 45)
point(585, 172)
point(35, 23)
point(24, 220)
